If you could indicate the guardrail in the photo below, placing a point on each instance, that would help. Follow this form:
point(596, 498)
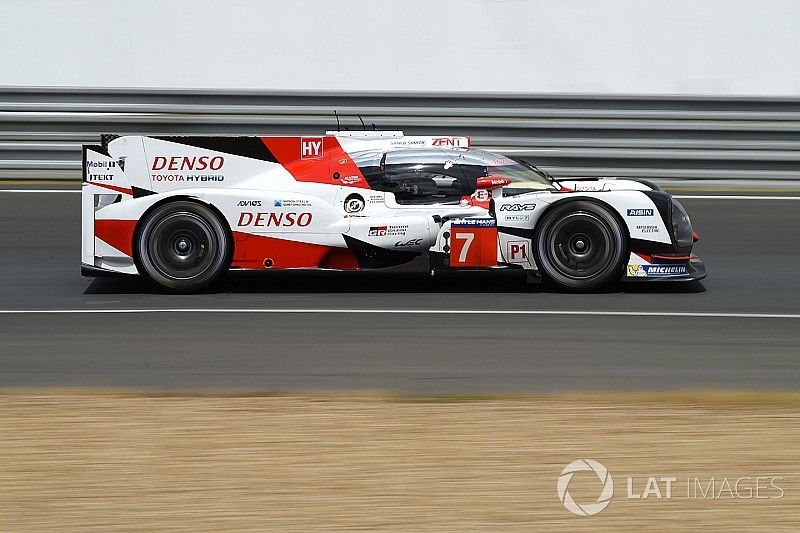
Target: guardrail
point(661, 138)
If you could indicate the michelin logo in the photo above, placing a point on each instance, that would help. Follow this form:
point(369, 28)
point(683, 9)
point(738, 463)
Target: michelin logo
point(656, 271)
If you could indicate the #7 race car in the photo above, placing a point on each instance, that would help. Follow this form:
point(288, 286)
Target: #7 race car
point(182, 211)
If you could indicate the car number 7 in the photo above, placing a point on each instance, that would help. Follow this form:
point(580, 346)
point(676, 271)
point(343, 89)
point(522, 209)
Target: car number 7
point(468, 238)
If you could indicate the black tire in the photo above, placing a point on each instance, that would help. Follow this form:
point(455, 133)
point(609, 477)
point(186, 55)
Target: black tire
point(580, 246)
point(183, 246)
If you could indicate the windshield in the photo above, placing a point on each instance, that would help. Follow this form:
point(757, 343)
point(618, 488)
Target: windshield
point(523, 175)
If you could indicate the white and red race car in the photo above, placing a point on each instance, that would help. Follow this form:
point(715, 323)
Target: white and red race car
point(182, 211)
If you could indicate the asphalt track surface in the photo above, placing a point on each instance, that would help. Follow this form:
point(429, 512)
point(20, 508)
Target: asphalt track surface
point(299, 332)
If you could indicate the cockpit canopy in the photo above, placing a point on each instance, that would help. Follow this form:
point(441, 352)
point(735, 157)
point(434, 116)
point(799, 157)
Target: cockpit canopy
point(434, 175)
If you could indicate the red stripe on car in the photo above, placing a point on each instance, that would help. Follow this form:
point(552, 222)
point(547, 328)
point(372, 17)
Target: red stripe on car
point(316, 160)
point(259, 252)
point(116, 233)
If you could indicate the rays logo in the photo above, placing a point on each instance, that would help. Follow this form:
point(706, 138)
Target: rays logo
point(585, 465)
point(517, 207)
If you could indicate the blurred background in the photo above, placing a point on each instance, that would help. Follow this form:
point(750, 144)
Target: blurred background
point(676, 91)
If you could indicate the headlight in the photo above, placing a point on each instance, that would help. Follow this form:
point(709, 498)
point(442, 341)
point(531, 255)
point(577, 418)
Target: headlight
point(681, 225)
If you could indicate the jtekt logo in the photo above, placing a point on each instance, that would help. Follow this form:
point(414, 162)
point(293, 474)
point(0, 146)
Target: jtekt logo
point(585, 465)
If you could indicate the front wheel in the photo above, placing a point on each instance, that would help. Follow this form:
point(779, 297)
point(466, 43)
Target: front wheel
point(183, 246)
point(580, 246)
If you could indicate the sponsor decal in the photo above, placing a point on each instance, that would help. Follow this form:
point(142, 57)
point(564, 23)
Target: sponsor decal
point(190, 177)
point(516, 218)
point(376, 198)
point(647, 229)
point(343, 161)
point(517, 251)
point(417, 142)
point(249, 203)
point(502, 160)
point(99, 177)
point(449, 141)
point(291, 203)
point(382, 231)
point(474, 223)
point(640, 212)
point(349, 180)
point(174, 166)
point(495, 182)
point(311, 148)
point(482, 195)
point(174, 163)
point(205, 177)
point(517, 207)
point(101, 164)
point(377, 231)
point(263, 219)
point(354, 203)
point(412, 242)
point(102, 167)
point(656, 271)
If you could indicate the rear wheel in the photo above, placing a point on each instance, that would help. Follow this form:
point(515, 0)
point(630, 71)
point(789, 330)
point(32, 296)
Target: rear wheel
point(183, 246)
point(580, 246)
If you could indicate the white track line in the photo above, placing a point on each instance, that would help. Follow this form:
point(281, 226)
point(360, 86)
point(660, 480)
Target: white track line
point(401, 312)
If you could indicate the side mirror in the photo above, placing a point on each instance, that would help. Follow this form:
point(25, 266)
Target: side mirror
point(492, 182)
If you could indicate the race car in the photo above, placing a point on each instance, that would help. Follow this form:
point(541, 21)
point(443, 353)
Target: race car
point(183, 211)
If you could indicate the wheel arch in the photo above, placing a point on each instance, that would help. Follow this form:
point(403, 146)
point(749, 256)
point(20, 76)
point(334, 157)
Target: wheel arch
point(541, 223)
point(571, 199)
point(180, 198)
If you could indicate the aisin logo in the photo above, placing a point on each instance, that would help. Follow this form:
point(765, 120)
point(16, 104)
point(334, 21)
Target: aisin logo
point(585, 465)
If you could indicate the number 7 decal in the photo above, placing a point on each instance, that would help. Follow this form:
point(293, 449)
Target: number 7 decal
point(468, 238)
point(473, 243)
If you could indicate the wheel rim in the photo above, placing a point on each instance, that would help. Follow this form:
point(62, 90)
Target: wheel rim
point(581, 245)
point(182, 245)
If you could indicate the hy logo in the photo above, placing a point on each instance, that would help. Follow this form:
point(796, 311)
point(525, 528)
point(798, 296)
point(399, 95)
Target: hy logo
point(585, 465)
